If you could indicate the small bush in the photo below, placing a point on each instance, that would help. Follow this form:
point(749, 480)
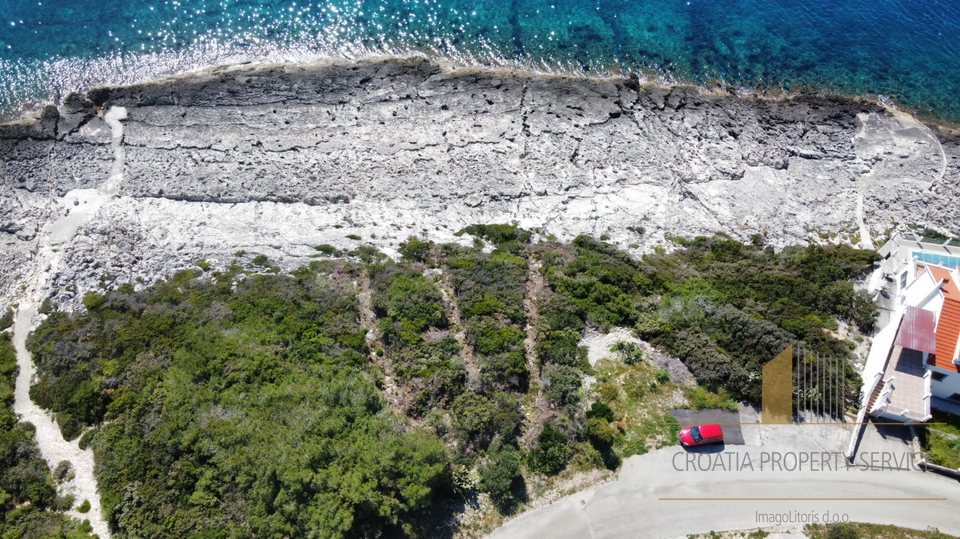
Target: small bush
point(326, 249)
point(599, 432)
point(632, 353)
point(46, 307)
point(500, 472)
point(498, 234)
point(561, 385)
point(7, 319)
point(355, 237)
point(463, 482)
point(92, 301)
point(84, 507)
point(62, 470)
point(699, 398)
point(63, 503)
point(415, 250)
point(842, 531)
point(600, 410)
point(552, 453)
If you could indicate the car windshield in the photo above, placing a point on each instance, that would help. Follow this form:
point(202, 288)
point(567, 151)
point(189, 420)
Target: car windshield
point(695, 434)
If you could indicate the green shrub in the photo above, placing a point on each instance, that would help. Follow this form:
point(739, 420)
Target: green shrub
point(600, 410)
point(324, 248)
point(599, 432)
point(92, 301)
point(561, 348)
point(478, 419)
point(7, 319)
point(700, 398)
point(552, 452)
point(561, 385)
point(415, 250)
point(269, 372)
point(368, 254)
point(498, 234)
point(63, 503)
point(500, 473)
point(842, 531)
point(46, 307)
point(632, 353)
point(62, 470)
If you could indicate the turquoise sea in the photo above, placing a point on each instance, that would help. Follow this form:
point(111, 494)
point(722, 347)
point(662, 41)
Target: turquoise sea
point(907, 50)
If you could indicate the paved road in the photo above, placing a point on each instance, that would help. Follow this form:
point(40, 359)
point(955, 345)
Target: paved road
point(632, 506)
point(728, 421)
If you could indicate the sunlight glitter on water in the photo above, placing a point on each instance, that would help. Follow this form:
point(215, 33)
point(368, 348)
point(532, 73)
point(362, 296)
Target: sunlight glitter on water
point(50, 48)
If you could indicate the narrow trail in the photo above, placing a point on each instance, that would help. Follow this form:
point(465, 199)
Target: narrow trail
point(535, 285)
point(368, 320)
point(79, 207)
point(467, 353)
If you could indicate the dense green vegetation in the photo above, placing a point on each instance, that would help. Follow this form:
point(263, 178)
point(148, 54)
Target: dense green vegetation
point(860, 530)
point(940, 439)
point(237, 406)
point(242, 404)
point(28, 497)
point(407, 305)
point(725, 308)
point(481, 417)
point(489, 289)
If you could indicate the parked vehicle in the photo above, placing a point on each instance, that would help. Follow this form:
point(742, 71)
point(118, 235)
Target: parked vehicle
point(701, 435)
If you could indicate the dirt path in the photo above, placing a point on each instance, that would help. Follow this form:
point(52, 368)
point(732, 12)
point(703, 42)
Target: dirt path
point(398, 399)
point(467, 354)
point(79, 207)
point(536, 283)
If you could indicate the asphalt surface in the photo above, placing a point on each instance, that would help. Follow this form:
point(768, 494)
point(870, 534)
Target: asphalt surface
point(635, 505)
point(728, 421)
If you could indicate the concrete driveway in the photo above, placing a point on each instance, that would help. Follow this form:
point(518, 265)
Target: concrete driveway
point(725, 499)
point(728, 421)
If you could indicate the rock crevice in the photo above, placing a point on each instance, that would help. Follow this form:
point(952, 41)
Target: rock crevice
point(278, 159)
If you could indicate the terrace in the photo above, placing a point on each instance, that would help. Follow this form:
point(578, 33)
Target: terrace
point(903, 393)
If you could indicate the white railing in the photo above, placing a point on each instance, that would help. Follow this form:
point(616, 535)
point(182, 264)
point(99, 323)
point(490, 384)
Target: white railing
point(862, 415)
point(884, 399)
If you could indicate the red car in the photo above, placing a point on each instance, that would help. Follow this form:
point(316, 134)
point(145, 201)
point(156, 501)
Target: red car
point(701, 435)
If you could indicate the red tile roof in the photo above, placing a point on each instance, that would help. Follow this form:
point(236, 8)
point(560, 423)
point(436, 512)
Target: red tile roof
point(949, 288)
point(948, 332)
point(918, 331)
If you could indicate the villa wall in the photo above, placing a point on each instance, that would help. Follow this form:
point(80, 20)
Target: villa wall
point(946, 387)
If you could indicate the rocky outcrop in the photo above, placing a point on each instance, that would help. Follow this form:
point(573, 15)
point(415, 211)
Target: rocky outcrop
point(276, 160)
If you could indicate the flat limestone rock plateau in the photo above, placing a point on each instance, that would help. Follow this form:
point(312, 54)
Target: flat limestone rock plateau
point(276, 160)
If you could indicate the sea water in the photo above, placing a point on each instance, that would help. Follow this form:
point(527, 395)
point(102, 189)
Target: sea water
point(908, 50)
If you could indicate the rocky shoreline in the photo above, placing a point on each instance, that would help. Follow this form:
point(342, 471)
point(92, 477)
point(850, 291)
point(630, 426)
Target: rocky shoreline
point(276, 160)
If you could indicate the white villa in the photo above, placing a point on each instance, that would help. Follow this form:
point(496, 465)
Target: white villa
point(914, 363)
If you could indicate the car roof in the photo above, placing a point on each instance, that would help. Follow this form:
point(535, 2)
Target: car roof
point(710, 431)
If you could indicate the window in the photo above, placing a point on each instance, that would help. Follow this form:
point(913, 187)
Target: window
point(903, 280)
point(937, 376)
